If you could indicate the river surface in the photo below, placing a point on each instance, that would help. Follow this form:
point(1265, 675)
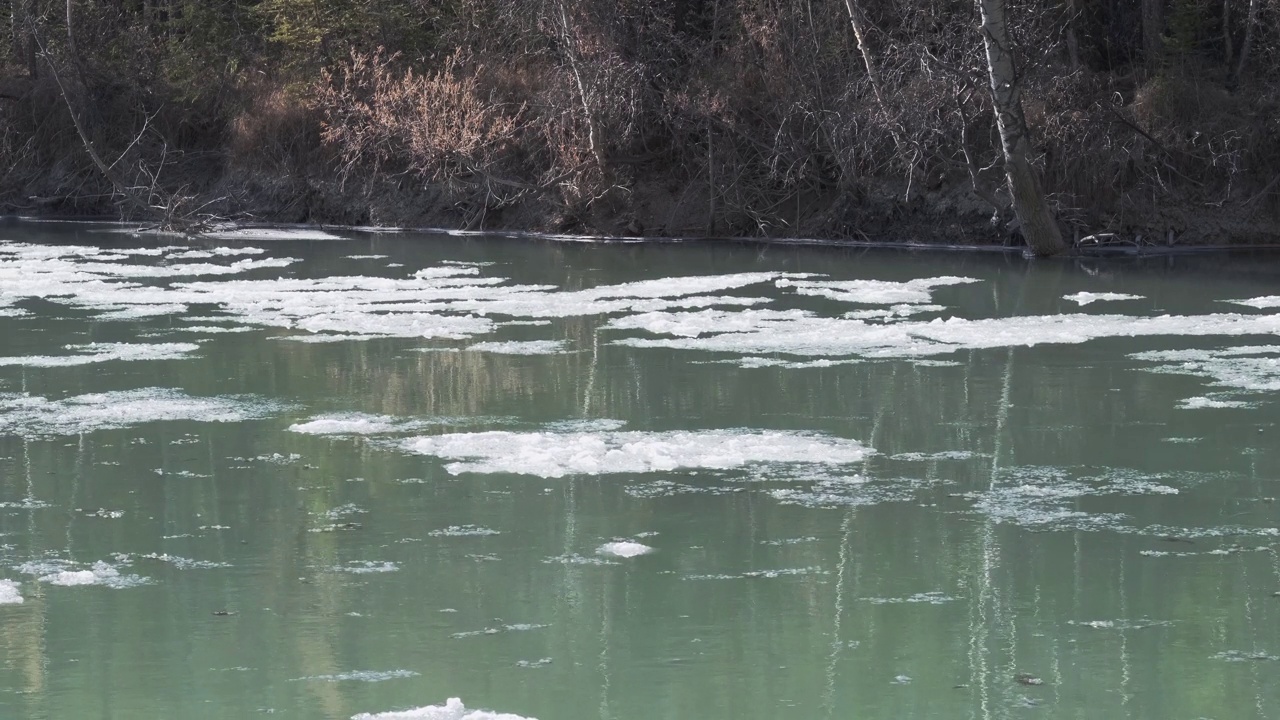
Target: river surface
point(427, 476)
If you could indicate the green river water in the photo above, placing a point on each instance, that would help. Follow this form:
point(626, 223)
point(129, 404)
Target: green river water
point(357, 475)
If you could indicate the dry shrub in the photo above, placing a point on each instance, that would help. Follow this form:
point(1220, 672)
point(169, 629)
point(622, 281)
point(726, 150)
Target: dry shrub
point(277, 129)
point(439, 127)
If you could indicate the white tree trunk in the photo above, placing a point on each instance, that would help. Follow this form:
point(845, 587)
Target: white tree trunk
point(1037, 223)
point(858, 22)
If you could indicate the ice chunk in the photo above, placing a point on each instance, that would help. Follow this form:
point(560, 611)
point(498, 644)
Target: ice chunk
point(66, 573)
point(556, 454)
point(874, 292)
point(453, 709)
point(354, 424)
point(9, 594)
point(624, 549)
point(1084, 298)
point(29, 416)
point(105, 352)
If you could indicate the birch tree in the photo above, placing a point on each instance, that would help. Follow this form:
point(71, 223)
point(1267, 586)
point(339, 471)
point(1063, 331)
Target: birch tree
point(1034, 218)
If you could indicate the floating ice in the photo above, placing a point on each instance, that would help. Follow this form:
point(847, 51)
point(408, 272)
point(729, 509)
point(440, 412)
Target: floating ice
point(1248, 369)
point(576, 559)
point(105, 352)
point(30, 416)
point(529, 347)
point(1042, 496)
point(185, 563)
point(1084, 298)
point(365, 567)
point(271, 234)
point(517, 627)
point(1262, 303)
point(808, 335)
point(874, 292)
point(943, 455)
point(354, 424)
point(1201, 402)
point(929, 598)
point(453, 709)
point(1244, 656)
point(624, 549)
point(9, 594)
point(370, 676)
point(463, 531)
point(552, 454)
point(65, 572)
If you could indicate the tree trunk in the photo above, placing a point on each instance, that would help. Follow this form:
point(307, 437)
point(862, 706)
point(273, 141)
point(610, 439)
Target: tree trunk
point(1073, 43)
point(1037, 223)
point(858, 21)
point(1153, 31)
point(24, 47)
point(1250, 20)
point(1227, 51)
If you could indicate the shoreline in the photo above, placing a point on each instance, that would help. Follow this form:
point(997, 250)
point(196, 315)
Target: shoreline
point(1116, 249)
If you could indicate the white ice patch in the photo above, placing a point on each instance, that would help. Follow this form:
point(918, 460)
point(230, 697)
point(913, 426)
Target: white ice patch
point(105, 352)
point(808, 335)
point(9, 594)
point(1084, 298)
point(624, 549)
point(527, 347)
point(553, 455)
point(874, 292)
point(1035, 496)
point(943, 455)
point(355, 424)
point(1247, 369)
point(366, 567)
point(516, 627)
point(1262, 303)
point(272, 234)
point(29, 416)
point(453, 709)
point(463, 531)
point(69, 574)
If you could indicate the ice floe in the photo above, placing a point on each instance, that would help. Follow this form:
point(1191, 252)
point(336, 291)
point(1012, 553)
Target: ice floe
point(272, 234)
point(1084, 298)
point(515, 627)
point(463, 531)
point(9, 594)
point(29, 416)
point(91, 353)
point(1249, 369)
point(366, 567)
point(453, 709)
point(354, 424)
point(70, 574)
point(556, 454)
point(1045, 497)
point(805, 334)
point(873, 292)
point(624, 549)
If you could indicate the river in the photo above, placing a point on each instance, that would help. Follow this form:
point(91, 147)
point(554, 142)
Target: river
point(396, 475)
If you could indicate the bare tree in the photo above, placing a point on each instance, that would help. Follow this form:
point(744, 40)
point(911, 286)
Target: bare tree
point(1034, 218)
point(1152, 30)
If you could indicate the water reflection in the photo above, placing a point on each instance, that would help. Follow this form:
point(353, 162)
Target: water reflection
point(1041, 529)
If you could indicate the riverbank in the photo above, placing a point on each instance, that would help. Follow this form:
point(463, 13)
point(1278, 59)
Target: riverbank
point(717, 119)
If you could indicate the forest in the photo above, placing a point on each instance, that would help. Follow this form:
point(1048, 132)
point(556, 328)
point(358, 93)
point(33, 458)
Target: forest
point(1142, 122)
